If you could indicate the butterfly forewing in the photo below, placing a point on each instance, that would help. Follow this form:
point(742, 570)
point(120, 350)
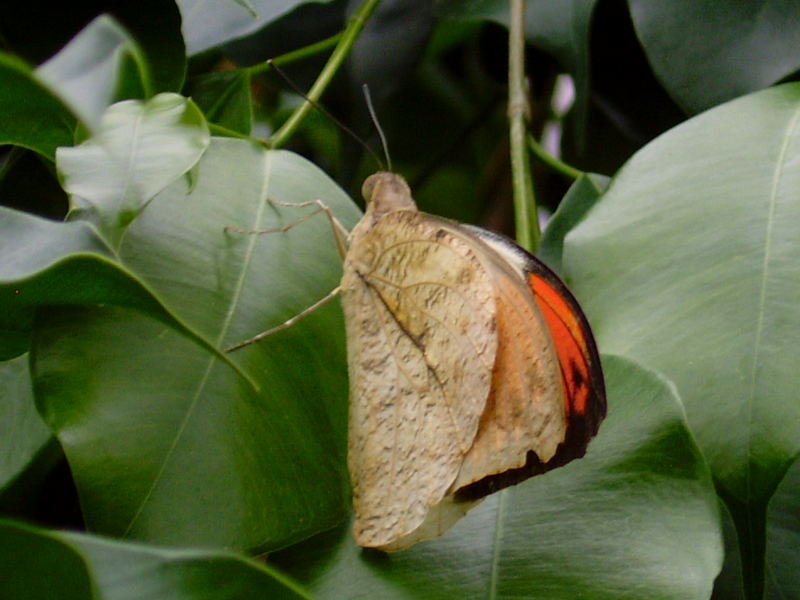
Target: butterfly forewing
point(421, 330)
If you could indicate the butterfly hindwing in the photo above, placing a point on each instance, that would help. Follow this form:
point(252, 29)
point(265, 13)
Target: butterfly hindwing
point(579, 360)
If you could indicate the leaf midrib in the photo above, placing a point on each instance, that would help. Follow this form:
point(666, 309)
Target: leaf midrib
point(776, 180)
point(234, 302)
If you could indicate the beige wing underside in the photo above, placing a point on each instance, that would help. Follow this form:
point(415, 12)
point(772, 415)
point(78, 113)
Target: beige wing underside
point(422, 305)
point(525, 410)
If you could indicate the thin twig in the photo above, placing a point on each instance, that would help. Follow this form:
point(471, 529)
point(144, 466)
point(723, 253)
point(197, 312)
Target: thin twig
point(528, 233)
point(223, 131)
point(349, 37)
point(295, 55)
point(552, 161)
point(328, 114)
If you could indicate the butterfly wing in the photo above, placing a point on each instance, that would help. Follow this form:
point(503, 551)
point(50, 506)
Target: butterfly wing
point(524, 419)
point(420, 317)
point(582, 390)
point(471, 369)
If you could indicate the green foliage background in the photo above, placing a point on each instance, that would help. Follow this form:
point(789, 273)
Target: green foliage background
point(139, 460)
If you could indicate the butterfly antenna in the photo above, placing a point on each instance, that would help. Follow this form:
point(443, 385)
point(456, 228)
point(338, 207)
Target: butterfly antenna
point(378, 127)
point(324, 111)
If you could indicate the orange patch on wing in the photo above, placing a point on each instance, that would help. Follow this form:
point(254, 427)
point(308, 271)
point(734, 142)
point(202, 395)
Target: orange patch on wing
point(570, 342)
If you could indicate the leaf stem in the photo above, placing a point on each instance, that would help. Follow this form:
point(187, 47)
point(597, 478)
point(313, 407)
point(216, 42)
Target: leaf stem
point(528, 232)
point(750, 518)
point(222, 131)
point(343, 47)
point(295, 55)
point(552, 161)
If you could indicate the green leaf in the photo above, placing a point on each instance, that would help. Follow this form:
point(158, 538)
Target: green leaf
point(46, 263)
point(40, 564)
point(31, 247)
point(689, 263)
point(139, 149)
point(162, 47)
point(635, 518)
point(709, 51)
point(32, 116)
point(392, 42)
point(165, 443)
point(23, 435)
point(225, 98)
point(783, 559)
point(209, 23)
point(783, 540)
point(89, 71)
point(581, 196)
point(28, 182)
point(40, 567)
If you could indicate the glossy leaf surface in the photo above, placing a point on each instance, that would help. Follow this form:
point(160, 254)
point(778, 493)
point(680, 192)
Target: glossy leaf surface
point(42, 565)
point(726, 49)
point(207, 23)
point(139, 148)
point(638, 512)
point(33, 116)
point(689, 263)
point(23, 435)
point(165, 442)
point(87, 73)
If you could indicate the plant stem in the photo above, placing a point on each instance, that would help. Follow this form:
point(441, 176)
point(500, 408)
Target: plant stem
point(225, 132)
point(528, 233)
point(750, 519)
point(343, 47)
point(295, 55)
point(552, 161)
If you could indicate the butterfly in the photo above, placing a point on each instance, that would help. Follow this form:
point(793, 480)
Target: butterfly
point(471, 368)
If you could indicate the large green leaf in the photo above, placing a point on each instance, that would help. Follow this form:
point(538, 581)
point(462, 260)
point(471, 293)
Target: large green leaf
point(44, 565)
point(783, 541)
point(165, 442)
point(689, 263)
point(139, 149)
point(392, 42)
point(30, 246)
point(209, 23)
point(708, 51)
point(635, 518)
point(33, 116)
point(163, 47)
point(28, 183)
point(88, 72)
point(23, 435)
point(581, 196)
point(783, 558)
point(46, 263)
point(224, 97)
point(40, 107)
point(39, 567)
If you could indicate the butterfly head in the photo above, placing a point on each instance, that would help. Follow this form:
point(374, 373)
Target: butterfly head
point(386, 192)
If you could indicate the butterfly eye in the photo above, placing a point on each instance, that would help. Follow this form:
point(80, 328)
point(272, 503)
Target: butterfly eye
point(368, 187)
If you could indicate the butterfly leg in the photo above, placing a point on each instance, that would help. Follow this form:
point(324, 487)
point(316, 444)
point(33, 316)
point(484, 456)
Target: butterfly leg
point(289, 322)
point(340, 233)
